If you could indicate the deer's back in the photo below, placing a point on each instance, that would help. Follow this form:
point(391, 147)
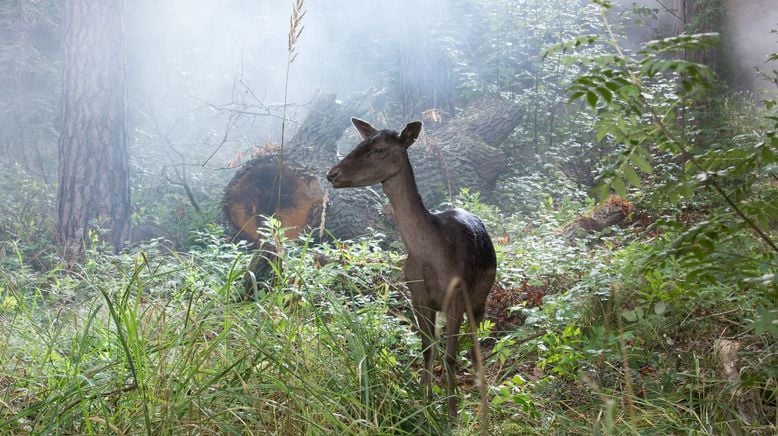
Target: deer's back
point(471, 245)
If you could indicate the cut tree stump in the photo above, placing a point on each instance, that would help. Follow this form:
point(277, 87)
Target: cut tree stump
point(458, 154)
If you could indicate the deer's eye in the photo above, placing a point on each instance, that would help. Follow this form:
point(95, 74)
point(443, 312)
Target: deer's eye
point(379, 150)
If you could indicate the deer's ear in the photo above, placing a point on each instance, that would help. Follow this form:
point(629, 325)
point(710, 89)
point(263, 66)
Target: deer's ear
point(363, 127)
point(410, 133)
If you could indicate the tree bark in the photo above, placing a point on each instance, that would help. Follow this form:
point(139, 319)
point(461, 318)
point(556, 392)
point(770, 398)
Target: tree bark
point(94, 190)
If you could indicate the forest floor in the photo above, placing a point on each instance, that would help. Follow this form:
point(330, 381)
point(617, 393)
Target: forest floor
point(587, 332)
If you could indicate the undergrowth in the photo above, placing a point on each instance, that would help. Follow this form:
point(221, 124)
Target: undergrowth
point(152, 341)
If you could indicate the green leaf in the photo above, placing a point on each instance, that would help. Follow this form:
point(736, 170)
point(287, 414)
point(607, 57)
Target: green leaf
point(673, 196)
point(612, 85)
point(605, 93)
point(686, 188)
point(629, 315)
point(631, 175)
point(602, 132)
point(767, 155)
point(619, 187)
point(592, 99)
point(706, 244)
point(600, 191)
point(762, 219)
point(767, 322)
point(575, 96)
point(641, 163)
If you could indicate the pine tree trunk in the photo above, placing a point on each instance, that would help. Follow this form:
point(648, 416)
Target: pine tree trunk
point(94, 185)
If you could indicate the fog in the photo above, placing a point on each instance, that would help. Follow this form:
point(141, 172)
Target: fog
point(748, 40)
point(746, 31)
point(184, 57)
point(208, 76)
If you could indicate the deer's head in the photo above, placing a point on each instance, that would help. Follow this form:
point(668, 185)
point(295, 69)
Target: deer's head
point(379, 157)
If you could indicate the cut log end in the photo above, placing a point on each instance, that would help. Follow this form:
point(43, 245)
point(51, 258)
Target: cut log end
point(254, 192)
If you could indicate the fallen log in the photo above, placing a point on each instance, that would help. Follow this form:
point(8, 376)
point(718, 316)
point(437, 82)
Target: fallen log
point(292, 186)
point(609, 213)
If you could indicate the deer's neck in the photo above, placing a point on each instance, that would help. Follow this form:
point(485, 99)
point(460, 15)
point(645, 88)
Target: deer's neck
point(413, 219)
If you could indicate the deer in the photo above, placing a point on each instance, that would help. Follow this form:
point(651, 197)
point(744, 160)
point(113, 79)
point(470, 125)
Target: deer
point(451, 263)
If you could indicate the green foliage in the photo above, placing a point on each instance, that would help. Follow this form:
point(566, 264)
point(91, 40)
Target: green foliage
point(721, 262)
point(515, 390)
point(639, 102)
point(506, 60)
point(559, 354)
point(28, 206)
point(706, 261)
point(164, 337)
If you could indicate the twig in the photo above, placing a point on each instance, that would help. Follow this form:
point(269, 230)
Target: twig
point(670, 11)
point(186, 187)
point(230, 123)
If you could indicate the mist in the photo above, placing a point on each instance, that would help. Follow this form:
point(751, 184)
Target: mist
point(184, 55)
point(747, 33)
point(749, 36)
point(207, 79)
point(210, 81)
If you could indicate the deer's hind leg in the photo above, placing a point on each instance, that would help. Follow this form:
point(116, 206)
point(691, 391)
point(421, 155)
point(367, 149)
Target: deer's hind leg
point(478, 317)
point(454, 316)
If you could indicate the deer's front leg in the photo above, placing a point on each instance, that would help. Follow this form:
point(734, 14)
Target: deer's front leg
point(425, 320)
point(425, 317)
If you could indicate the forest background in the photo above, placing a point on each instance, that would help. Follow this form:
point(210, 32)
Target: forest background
point(635, 225)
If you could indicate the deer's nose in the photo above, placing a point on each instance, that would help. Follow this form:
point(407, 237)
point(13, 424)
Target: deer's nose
point(333, 174)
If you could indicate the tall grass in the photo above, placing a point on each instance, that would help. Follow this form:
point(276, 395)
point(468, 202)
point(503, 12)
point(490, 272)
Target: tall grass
point(296, 28)
point(153, 345)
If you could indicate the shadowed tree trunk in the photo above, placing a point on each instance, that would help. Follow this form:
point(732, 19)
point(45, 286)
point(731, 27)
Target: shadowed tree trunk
point(94, 185)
